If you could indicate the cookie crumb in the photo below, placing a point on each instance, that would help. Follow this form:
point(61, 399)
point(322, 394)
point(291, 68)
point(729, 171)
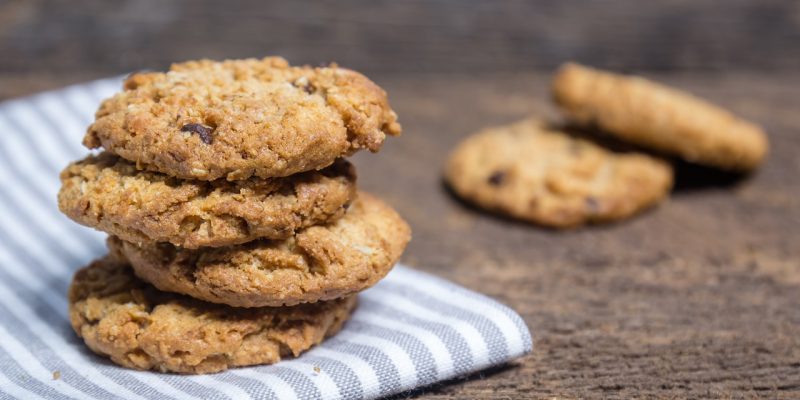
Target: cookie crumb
point(317, 369)
point(56, 375)
point(365, 249)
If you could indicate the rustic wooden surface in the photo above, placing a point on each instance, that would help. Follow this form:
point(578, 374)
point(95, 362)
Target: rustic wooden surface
point(699, 298)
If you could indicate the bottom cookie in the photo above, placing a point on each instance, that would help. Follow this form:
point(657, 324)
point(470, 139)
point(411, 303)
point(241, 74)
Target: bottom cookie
point(140, 327)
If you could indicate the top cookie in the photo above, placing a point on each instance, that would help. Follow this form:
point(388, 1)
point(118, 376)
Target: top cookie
point(532, 172)
point(241, 118)
point(658, 117)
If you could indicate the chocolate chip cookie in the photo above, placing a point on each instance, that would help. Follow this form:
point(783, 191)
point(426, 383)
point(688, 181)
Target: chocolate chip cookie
point(240, 118)
point(316, 264)
point(137, 326)
point(655, 116)
point(533, 172)
point(108, 193)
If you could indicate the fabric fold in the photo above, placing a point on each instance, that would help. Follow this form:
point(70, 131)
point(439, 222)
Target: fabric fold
point(411, 330)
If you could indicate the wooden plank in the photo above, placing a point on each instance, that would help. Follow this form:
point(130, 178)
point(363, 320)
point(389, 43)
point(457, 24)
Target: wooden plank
point(698, 298)
point(388, 35)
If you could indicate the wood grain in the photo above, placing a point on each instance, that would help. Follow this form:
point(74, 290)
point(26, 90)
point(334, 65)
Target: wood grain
point(699, 298)
point(110, 37)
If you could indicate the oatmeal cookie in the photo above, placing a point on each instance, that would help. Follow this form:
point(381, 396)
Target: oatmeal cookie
point(660, 118)
point(530, 171)
point(137, 326)
point(317, 264)
point(108, 193)
point(241, 118)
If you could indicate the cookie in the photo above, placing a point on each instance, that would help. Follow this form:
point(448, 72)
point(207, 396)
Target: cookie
point(660, 118)
point(318, 263)
point(240, 118)
point(108, 193)
point(532, 172)
point(140, 327)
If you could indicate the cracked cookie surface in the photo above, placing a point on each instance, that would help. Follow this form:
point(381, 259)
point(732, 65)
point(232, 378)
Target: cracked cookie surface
point(108, 193)
point(316, 264)
point(658, 117)
point(137, 326)
point(532, 172)
point(240, 118)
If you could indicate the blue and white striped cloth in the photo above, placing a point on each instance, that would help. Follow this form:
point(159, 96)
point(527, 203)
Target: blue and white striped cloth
point(409, 331)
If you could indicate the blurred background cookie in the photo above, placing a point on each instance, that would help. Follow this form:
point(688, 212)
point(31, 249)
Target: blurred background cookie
point(659, 117)
point(530, 171)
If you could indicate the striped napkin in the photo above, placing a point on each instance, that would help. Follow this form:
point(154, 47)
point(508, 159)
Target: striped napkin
point(410, 330)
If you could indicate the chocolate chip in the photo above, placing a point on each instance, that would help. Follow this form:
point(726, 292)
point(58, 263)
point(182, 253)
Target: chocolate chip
point(201, 130)
point(304, 84)
point(592, 204)
point(497, 178)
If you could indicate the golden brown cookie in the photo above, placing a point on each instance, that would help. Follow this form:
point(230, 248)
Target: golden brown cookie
point(137, 326)
point(529, 171)
point(655, 116)
point(110, 194)
point(240, 118)
point(318, 263)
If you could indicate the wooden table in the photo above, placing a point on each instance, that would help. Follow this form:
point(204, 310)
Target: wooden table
point(697, 298)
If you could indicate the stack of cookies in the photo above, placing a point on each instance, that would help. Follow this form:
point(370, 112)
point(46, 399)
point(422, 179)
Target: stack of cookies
point(237, 234)
point(609, 160)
